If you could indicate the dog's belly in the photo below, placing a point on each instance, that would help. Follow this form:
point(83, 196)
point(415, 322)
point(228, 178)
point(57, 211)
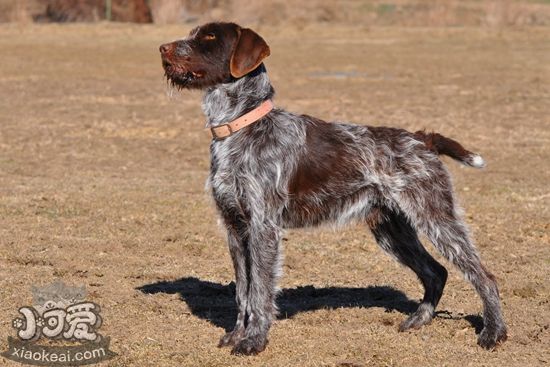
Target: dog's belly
point(329, 208)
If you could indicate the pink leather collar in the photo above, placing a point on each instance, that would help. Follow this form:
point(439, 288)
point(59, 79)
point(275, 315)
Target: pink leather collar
point(225, 130)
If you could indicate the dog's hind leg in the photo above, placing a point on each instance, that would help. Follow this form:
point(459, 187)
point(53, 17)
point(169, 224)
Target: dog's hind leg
point(432, 211)
point(451, 238)
point(397, 237)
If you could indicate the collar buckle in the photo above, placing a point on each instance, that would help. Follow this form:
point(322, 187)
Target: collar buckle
point(221, 131)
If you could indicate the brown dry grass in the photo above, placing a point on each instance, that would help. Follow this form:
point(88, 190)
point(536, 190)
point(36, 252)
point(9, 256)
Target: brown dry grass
point(427, 13)
point(101, 183)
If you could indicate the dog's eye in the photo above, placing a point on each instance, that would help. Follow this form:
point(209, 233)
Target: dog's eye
point(209, 37)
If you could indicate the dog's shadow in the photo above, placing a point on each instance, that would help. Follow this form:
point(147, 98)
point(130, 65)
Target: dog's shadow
point(216, 302)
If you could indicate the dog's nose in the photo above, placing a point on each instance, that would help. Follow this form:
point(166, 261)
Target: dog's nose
point(164, 49)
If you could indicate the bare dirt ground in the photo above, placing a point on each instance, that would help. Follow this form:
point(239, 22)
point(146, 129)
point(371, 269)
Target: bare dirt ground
point(102, 184)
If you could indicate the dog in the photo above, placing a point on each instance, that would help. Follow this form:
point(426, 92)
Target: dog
point(273, 170)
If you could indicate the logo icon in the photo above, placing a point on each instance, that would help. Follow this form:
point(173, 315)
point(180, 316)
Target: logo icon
point(60, 314)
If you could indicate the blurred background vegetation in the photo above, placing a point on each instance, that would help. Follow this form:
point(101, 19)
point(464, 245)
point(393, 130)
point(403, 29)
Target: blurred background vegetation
point(418, 13)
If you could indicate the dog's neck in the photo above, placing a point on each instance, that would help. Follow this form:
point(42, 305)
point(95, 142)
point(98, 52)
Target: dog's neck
point(226, 102)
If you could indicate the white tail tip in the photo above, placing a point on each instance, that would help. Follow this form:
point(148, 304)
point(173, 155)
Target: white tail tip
point(477, 161)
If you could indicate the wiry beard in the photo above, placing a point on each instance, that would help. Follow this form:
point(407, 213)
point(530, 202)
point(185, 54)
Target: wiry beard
point(180, 81)
point(179, 78)
point(171, 89)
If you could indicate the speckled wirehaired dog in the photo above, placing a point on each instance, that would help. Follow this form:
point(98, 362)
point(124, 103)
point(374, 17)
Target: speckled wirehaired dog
point(284, 170)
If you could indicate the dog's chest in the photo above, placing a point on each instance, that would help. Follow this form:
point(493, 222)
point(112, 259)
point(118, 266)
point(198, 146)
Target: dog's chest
point(244, 177)
point(231, 175)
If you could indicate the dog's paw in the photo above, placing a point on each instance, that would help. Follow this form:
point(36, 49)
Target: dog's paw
point(490, 338)
point(249, 346)
point(231, 338)
point(422, 316)
point(414, 322)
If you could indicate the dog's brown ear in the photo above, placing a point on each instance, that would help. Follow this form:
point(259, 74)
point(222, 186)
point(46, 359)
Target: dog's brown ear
point(249, 52)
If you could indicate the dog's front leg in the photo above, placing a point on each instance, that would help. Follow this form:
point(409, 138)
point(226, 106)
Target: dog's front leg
point(238, 248)
point(264, 254)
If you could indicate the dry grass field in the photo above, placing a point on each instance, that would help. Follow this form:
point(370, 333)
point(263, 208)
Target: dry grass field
point(102, 183)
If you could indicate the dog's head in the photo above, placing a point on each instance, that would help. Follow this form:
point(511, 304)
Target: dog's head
point(213, 53)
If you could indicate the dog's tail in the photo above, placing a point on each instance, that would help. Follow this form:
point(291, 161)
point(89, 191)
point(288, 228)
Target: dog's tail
point(449, 147)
